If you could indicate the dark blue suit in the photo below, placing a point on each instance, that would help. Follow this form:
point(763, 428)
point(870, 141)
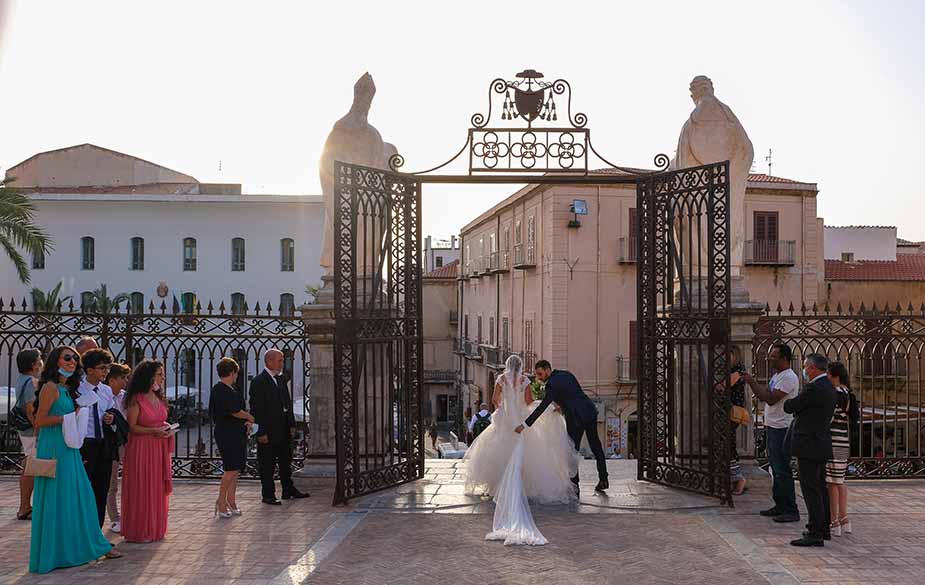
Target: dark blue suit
point(580, 414)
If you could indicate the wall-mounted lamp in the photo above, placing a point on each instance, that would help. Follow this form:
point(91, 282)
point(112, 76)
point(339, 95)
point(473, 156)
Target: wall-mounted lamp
point(578, 207)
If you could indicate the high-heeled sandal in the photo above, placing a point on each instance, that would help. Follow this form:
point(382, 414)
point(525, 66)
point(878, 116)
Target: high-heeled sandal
point(235, 511)
point(845, 524)
point(835, 528)
point(113, 554)
point(220, 514)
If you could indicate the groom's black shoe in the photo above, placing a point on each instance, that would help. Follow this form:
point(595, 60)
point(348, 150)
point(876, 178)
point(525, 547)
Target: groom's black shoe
point(602, 485)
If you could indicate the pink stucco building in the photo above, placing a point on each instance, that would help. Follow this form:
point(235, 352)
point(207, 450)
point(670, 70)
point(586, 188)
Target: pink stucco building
point(533, 282)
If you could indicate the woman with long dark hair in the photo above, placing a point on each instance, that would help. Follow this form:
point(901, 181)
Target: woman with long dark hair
point(837, 467)
point(65, 525)
point(147, 469)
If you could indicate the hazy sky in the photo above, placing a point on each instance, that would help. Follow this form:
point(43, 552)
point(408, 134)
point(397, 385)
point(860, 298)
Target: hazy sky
point(835, 88)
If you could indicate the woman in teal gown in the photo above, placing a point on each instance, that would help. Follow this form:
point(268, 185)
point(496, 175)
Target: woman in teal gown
point(65, 525)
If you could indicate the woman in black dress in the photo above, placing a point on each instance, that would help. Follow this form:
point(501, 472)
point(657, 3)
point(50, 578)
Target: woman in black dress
point(232, 425)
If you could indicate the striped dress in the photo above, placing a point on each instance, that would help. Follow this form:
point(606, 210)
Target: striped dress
point(836, 468)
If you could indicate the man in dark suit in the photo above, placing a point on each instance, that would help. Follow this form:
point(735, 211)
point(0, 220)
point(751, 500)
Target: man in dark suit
point(271, 406)
point(811, 438)
point(580, 414)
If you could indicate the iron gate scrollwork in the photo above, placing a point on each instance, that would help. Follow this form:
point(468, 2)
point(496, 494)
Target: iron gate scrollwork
point(683, 311)
point(378, 330)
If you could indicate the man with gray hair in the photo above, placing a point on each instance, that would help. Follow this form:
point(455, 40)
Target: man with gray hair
point(85, 344)
point(271, 406)
point(812, 414)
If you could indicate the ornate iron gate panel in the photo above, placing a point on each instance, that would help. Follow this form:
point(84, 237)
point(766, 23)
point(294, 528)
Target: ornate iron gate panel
point(683, 312)
point(378, 334)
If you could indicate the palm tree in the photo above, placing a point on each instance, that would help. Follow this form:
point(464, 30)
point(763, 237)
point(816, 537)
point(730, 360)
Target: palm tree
point(48, 301)
point(100, 302)
point(18, 231)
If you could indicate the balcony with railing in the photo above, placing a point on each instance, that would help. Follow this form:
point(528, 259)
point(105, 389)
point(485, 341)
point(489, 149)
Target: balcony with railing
point(458, 346)
point(770, 252)
point(471, 350)
point(505, 261)
point(524, 256)
point(626, 369)
point(494, 357)
point(626, 250)
point(439, 376)
point(495, 263)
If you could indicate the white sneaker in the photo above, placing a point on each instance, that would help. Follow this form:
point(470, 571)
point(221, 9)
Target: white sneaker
point(116, 527)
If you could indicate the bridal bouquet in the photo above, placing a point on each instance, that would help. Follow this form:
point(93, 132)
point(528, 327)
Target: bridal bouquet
point(538, 389)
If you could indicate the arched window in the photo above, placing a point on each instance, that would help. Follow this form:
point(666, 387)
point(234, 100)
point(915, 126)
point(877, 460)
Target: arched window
point(189, 254)
point(138, 253)
point(237, 303)
point(286, 305)
point(188, 302)
point(287, 255)
point(87, 253)
point(137, 304)
point(237, 254)
point(87, 303)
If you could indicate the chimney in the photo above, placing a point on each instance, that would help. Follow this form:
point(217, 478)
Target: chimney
point(454, 243)
point(427, 243)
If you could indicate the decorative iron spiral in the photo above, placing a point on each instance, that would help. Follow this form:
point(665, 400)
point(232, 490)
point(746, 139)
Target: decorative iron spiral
point(478, 119)
point(396, 161)
point(661, 161)
point(579, 120)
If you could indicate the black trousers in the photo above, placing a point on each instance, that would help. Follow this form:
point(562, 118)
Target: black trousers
point(575, 431)
point(269, 457)
point(816, 496)
point(99, 470)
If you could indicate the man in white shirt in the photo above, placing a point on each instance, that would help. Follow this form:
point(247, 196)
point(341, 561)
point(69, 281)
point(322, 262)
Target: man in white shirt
point(481, 414)
point(784, 384)
point(97, 459)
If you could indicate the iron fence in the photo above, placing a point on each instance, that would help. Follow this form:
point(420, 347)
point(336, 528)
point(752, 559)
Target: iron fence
point(190, 344)
point(884, 351)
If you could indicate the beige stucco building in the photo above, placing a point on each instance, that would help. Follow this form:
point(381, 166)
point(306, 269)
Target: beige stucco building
point(531, 284)
point(441, 400)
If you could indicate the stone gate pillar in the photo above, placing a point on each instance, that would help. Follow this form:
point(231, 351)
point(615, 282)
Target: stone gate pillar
point(318, 317)
point(743, 314)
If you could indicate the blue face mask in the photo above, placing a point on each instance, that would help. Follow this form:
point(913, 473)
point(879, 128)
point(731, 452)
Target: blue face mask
point(65, 373)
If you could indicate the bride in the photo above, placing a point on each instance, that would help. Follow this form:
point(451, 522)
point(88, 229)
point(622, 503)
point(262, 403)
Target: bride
point(537, 464)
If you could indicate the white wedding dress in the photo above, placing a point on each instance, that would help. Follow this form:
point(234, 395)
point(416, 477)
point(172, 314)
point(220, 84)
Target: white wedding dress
point(537, 464)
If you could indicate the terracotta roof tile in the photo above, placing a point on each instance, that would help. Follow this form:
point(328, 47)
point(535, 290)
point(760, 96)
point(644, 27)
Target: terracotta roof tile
point(447, 271)
point(765, 178)
point(907, 267)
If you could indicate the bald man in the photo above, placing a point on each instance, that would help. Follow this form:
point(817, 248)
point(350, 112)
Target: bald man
point(271, 405)
point(85, 344)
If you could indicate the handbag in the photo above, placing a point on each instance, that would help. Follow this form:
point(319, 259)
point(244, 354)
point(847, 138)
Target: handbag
point(739, 415)
point(36, 467)
point(19, 419)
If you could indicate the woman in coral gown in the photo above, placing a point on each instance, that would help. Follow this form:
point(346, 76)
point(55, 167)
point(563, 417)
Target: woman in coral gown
point(146, 471)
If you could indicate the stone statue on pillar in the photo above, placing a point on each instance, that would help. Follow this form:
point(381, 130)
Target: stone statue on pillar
point(352, 140)
point(713, 134)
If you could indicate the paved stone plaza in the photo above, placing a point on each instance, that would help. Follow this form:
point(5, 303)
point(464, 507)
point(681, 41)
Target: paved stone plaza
point(428, 532)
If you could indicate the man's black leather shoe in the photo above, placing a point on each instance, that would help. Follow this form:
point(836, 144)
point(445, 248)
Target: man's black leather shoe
point(807, 541)
point(602, 485)
point(272, 502)
point(785, 518)
point(771, 512)
point(295, 494)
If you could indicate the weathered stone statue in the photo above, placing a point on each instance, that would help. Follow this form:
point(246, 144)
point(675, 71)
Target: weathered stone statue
point(712, 134)
point(352, 140)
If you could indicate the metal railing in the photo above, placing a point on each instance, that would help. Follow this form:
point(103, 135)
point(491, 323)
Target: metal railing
point(770, 252)
point(626, 369)
point(626, 250)
point(493, 357)
point(189, 344)
point(440, 376)
point(524, 256)
point(494, 261)
point(471, 350)
point(506, 260)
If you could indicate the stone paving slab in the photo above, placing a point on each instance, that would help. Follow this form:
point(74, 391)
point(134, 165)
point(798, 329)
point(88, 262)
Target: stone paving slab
point(597, 550)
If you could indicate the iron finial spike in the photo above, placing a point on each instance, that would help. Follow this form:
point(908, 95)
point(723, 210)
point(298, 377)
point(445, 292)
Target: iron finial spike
point(24, 305)
point(256, 308)
point(1, 303)
point(802, 307)
point(814, 308)
point(245, 307)
point(151, 307)
point(221, 308)
point(874, 308)
point(70, 305)
point(911, 309)
point(209, 308)
point(899, 308)
point(269, 308)
point(780, 309)
point(838, 308)
point(198, 308)
point(850, 307)
point(861, 309)
point(923, 309)
point(163, 307)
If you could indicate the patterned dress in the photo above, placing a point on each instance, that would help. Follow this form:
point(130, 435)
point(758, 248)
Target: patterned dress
point(837, 467)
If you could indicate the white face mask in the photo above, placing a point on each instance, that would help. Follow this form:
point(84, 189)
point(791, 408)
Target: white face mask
point(805, 375)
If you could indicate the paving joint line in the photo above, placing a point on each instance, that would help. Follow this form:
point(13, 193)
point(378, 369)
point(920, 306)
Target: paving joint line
point(756, 557)
point(309, 562)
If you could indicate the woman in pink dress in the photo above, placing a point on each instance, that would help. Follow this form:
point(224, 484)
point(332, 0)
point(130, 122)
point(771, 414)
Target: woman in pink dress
point(146, 471)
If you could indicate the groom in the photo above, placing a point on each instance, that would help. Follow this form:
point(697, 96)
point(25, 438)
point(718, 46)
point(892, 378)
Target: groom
point(580, 414)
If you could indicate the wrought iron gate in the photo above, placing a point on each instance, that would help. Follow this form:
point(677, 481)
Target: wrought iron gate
point(378, 334)
point(683, 311)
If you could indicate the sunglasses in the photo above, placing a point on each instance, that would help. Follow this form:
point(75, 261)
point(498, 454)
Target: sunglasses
point(70, 358)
